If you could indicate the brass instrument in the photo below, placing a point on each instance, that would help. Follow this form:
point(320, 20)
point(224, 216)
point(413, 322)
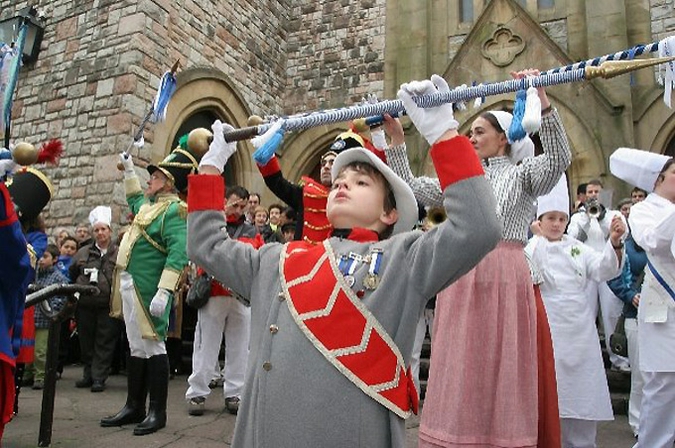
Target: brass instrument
point(594, 208)
point(435, 216)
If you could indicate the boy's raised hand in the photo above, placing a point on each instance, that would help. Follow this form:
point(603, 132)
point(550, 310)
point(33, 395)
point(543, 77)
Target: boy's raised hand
point(432, 122)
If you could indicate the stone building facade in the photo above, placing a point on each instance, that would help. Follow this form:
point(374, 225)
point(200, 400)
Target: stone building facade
point(101, 61)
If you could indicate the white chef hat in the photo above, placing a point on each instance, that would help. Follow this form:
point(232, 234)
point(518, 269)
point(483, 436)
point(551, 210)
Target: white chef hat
point(637, 167)
point(557, 200)
point(100, 215)
point(520, 149)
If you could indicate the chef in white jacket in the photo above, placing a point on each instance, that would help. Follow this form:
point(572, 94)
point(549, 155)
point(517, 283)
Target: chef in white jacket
point(567, 265)
point(652, 223)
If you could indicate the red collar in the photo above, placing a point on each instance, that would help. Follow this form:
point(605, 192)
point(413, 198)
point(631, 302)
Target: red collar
point(231, 219)
point(358, 234)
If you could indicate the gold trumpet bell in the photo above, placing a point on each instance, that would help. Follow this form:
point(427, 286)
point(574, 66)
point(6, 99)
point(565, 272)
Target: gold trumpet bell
point(25, 154)
point(199, 140)
point(435, 216)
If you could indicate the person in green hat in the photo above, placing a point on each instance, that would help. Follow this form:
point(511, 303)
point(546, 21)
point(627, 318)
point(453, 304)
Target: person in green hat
point(150, 262)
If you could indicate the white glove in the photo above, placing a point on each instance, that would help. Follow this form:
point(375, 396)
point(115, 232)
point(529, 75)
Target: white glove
point(159, 302)
point(371, 98)
point(128, 164)
point(7, 166)
point(378, 139)
point(219, 150)
point(260, 140)
point(434, 121)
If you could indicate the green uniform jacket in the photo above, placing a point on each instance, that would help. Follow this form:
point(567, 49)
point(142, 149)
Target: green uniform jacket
point(153, 251)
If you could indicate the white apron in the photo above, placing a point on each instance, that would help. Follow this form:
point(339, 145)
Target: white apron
point(567, 267)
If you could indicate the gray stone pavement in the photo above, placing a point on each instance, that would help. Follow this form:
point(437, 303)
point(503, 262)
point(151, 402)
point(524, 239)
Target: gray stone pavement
point(78, 411)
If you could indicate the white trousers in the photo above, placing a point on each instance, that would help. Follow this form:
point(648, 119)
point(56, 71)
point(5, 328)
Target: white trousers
point(578, 433)
point(610, 309)
point(221, 315)
point(139, 347)
point(657, 415)
point(636, 380)
point(425, 320)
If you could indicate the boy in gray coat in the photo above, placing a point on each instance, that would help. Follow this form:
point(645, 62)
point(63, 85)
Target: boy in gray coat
point(333, 324)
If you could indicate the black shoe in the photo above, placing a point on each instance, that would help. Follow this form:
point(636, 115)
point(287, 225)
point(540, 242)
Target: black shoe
point(97, 386)
point(196, 406)
point(83, 383)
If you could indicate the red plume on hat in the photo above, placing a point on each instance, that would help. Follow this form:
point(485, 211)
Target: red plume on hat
point(50, 152)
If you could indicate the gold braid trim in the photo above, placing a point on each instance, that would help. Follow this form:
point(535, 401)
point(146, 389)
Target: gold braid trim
point(328, 226)
point(315, 210)
point(149, 239)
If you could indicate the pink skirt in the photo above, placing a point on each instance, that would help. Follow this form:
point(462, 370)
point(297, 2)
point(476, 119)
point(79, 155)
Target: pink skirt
point(482, 389)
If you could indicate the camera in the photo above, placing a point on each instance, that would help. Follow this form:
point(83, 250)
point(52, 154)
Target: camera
point(93, 275)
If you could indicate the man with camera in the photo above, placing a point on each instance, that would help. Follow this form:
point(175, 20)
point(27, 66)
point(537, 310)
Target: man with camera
point(591, 225)
point(94, 264)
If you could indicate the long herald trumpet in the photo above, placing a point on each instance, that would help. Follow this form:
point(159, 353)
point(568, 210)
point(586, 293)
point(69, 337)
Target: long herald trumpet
point(606, 70)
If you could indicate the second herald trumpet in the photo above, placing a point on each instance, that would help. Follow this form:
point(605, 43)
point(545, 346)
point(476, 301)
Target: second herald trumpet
point(594, 208)
point(436, 215)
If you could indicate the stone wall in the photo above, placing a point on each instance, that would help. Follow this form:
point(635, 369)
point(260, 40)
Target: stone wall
point(663, 18)
point(99, 69)
point(335, 53)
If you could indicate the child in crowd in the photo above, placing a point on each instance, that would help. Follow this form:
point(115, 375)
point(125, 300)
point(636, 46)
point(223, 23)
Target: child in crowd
point(333, 324)
point(67, 249)
point(567, 266)
point(47, 274)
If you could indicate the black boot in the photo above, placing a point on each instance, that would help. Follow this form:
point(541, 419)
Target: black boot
point(158, 386)
point(134, 410)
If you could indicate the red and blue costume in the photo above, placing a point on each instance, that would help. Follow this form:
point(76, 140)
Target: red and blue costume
point(15, 275)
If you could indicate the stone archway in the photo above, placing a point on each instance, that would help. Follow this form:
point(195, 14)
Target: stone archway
point(656, 138)
point(202, 89)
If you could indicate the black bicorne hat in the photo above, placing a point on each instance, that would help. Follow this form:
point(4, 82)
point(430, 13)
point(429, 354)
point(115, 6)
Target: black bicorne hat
point(30, 190)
